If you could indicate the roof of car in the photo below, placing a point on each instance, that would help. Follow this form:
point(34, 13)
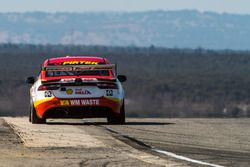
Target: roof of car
point(75, 58)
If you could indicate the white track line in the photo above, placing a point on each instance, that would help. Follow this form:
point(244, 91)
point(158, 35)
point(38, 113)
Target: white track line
point(170, 154)
point(185, 158)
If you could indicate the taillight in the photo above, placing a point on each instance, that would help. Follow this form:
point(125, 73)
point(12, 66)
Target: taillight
point(107, 86)
point(48, 87)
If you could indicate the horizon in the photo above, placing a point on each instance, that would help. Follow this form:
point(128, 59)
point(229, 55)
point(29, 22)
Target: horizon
point(124, 12)
point(93, 6)
point(186, 29)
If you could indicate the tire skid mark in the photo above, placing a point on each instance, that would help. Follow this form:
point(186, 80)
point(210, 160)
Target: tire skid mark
point(140, 154)
point(169, 154)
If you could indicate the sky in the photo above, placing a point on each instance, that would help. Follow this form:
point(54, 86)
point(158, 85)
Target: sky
point(220, 6)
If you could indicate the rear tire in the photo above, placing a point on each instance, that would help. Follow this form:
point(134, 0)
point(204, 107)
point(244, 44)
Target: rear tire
point(117, 119)
point(30, 116)
point(34, 119)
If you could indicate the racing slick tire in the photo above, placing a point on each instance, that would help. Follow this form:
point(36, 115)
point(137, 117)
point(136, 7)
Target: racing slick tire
point(30, 116)
point(117, 119)
point(34, 119)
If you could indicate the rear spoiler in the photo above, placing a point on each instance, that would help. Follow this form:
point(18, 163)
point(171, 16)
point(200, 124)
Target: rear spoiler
point(73, 81)
point(79, 67)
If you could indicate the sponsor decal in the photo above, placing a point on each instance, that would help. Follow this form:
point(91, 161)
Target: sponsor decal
point(80, 63)
point(80, 102)
point(64, 102)
point(82, 92)
point(109, 92)
point(69, 91)
point(47, 94)
point(89, 79)
point(68, 80)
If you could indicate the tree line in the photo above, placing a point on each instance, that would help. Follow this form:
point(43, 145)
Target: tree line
point(162, 82)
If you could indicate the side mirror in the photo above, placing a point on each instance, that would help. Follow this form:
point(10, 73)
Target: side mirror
point(122, 78)
point(30, 80)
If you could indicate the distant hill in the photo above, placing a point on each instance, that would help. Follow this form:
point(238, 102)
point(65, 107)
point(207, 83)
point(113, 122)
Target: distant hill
point(183, 29)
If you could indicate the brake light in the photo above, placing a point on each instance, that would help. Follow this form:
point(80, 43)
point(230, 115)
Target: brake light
point(107, 86)
point(48, 87)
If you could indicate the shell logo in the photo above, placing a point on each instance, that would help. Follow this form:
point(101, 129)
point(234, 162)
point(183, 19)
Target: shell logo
point(69, 91)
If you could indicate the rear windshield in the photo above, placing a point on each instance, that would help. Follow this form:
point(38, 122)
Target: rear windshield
point(77, 73)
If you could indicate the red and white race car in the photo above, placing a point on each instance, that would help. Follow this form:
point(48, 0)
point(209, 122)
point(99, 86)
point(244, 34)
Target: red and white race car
point(77, 87)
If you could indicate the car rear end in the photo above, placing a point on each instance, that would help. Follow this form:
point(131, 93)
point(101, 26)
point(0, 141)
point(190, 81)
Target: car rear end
point(78, 90)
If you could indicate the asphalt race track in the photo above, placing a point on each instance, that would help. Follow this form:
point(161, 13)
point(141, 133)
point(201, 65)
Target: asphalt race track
point(141, 142)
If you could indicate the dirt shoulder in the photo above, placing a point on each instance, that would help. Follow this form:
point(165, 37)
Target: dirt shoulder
point(67, 145)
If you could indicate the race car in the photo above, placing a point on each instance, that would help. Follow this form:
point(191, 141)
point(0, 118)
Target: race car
point(77, 87)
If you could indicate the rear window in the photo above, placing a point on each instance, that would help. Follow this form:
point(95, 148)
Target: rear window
point(77, 73)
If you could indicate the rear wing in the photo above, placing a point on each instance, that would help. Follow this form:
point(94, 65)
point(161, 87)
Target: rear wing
point(80, 67)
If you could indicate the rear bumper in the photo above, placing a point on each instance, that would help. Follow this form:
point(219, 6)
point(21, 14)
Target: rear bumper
point(76, 108)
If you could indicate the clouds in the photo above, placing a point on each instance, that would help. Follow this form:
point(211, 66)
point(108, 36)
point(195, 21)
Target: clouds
point(4, 37)
point(7, 37)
